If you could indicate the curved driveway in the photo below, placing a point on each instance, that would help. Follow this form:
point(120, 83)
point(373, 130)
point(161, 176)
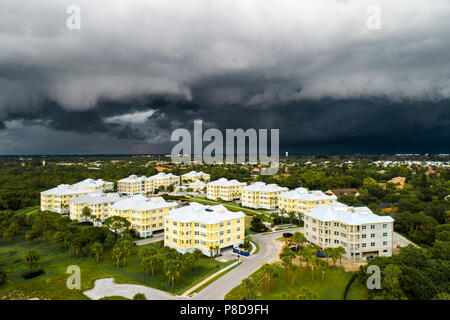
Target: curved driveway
point(269, 250)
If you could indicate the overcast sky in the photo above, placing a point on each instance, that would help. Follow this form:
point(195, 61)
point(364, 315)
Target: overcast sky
point(136, 70)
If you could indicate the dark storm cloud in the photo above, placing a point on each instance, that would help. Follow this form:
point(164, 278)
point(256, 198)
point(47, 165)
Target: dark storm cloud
point(138, 70)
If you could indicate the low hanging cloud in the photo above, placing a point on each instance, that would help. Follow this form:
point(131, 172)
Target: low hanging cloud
point(137, 69)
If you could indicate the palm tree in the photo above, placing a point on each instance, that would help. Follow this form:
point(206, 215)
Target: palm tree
point(270, 271)
point(340, 251)
point(312, 262)
point(334, 256)
point(211, 251)
point(190, 260)
point(298, 238)
point(126, 250)
point(323, 265)
point(307, 253)
point(248, 285)
point(327, 252)
point(58, 238)
point(217, 249)
point(86, 213)
point(154, 261)
point(116, 254)
point(68, 238)
point(76, 245)
point(32, 257)
point(145, 262)
point(97, 250)
point(286, 257)
point(197, 255)
point(291, 215)
point(172, 271)
point(294, 270)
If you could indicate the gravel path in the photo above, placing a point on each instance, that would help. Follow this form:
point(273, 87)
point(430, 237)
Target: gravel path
point(107, 288)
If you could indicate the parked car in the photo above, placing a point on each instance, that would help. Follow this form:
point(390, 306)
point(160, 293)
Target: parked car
point(322, 255)
point(370, 257)
point(287, 234)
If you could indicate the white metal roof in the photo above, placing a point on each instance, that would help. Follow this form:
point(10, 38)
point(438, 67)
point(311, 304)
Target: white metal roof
point(262, 187)
point(133, 178)
point(193, 174)
point(196, 212)
point(96, 198)
point(304, 194)
point(79, 187)
point(141, 203)
point(226, 183)
point(340, 212)
point(163, 175)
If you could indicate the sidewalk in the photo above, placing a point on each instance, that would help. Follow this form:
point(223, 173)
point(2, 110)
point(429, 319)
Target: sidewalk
point(189, 291)
point(150, 240)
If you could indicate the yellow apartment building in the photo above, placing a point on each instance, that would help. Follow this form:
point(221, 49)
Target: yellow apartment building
point(198, 226)
point(146, 215)
point(99, 203)
point(162, 179)
point(301, 200)
point(193, 176)
point(197, 186)
point(260, 195)
point(57, 199)
point(224, 189)
point(132, 185)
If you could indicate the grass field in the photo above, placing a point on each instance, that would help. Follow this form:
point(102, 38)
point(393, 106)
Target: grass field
point(331, 288)
point(55, 260)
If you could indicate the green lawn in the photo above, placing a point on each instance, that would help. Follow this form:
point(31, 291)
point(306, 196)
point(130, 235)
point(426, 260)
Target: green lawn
point(331, 288)
point(55, 260)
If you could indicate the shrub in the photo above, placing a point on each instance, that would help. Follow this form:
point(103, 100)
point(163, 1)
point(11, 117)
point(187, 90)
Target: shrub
point(30, 274)
point(139, 296)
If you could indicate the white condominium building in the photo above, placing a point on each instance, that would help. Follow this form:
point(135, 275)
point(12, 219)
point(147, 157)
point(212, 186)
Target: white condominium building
point(198, 226)
point(57, 199)
point(99, 203)
point(146, 215)
point(357, 229)
point(261, 195)
point(301, 200)
point(194, 175)
point(224, 189)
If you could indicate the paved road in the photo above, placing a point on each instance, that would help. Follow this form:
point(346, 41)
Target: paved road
point(269, 249)
point(156, 238)
point(402, 241)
